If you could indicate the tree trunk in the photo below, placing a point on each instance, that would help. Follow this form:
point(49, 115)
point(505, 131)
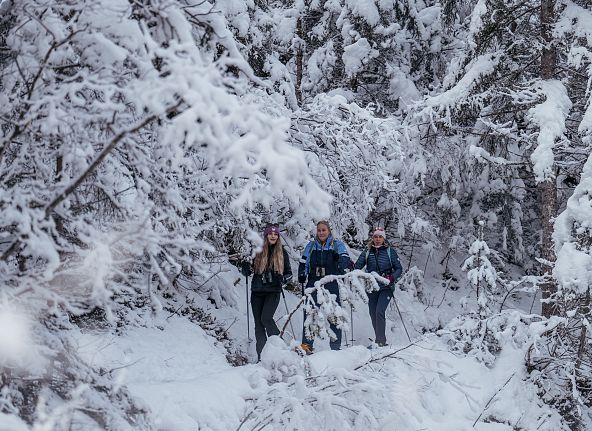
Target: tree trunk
point(548, 193)
point(547, 190)
point(58, 220)
point(549, 54)
point(585, 314)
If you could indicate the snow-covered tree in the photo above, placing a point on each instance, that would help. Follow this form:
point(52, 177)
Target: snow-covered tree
point(325, 310)
point(570, 353)
point(128, 155)
point(481, 273)
point(143, 142)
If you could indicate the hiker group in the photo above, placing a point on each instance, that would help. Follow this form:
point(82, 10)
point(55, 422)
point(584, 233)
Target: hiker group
point(324, 255)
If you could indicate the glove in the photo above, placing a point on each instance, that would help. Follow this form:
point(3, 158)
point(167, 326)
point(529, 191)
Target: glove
point(245, 269)
point(301, 278)
point(390, 278)
point(336, 256)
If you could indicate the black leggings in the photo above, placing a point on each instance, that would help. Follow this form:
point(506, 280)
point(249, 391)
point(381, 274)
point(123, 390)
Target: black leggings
point(264, 305)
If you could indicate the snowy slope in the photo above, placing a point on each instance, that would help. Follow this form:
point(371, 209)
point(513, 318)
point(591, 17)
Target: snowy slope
point(181, 374)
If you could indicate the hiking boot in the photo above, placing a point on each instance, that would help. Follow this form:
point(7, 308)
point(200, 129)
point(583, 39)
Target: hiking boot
point(307, 348)
point(376, 345)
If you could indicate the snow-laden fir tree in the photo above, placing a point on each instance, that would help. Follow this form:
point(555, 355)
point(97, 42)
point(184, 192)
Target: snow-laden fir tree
point(568, 357)
point(495, 98)
point(481, 273)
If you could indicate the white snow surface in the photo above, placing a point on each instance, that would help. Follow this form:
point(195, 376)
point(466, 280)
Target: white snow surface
point(365, 9)
point(18, 350)
point(179, 371)
point(182, 376)
point(476, 69)
point(356, 55)
point(573, 268)
point(549, 116)
point(476, 21)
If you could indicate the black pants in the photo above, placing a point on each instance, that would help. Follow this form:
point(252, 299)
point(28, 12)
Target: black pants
point(264, 305)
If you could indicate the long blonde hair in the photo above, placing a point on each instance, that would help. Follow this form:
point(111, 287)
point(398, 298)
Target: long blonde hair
point(277, 259)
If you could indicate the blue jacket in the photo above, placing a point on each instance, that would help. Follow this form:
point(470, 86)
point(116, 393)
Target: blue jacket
point(379, 262)
point(320, 260)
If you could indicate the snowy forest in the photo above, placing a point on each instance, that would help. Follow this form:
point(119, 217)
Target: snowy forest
point(146, 144)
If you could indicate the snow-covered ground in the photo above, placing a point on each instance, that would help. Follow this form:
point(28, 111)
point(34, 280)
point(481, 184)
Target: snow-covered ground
point(182, 376)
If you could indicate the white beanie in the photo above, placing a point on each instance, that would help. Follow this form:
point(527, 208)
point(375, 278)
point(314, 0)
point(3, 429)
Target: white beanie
point(379, 231)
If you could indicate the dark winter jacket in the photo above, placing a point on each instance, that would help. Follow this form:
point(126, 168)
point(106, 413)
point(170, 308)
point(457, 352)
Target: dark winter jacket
point(320, 260)
point(271, 281)
point(378, 261)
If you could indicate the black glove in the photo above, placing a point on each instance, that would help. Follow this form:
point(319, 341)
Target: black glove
point(245, 269)
point(301, 278)
point(336, 255)
point(288, 282)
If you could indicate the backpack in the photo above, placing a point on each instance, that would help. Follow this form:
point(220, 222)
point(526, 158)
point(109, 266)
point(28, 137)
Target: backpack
point(351, 264)
point(388, 252)
point(331, 245)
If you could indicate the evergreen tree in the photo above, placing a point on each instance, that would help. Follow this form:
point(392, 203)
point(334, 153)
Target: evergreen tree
point(573, 271)
point(481, 273)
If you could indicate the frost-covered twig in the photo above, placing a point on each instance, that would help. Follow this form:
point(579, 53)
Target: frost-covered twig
point(492, 397)
point(89, 170)
point(291, 314)
point(388, 355)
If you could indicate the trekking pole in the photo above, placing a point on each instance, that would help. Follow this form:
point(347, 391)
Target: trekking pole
point(247, 297)
point(287, 313)
point(351, 314)
point(290, 316)
point(401, 317)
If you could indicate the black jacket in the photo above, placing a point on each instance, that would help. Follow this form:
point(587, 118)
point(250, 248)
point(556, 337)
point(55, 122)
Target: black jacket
point(272, 281)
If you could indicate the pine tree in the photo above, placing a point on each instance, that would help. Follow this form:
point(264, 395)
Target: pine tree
point(481, 273)
point(573, 272)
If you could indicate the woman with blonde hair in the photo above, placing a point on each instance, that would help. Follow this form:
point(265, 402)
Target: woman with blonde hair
point(383, 260)
point(324, 255)
point(271, 268)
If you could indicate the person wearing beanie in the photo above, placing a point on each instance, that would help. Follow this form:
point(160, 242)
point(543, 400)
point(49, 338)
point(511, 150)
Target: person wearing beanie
point(383, 260)
point(324, 255)
point(271, 269)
